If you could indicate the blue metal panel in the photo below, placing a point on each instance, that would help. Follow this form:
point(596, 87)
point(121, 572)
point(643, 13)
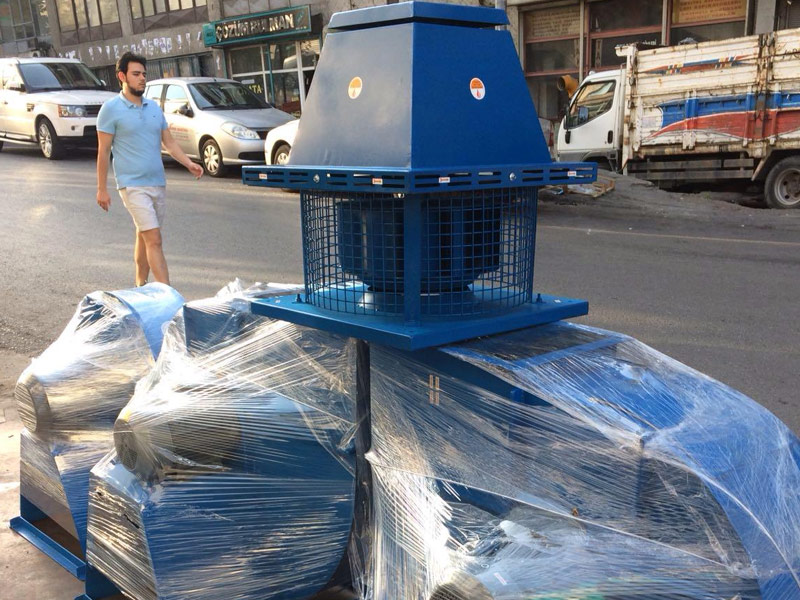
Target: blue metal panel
point(470, 16)
point(25, 527)
point(430, 67)
point(373, 129)
point(377, 179)
point(97, 586)
point(450, 126)
point(154, 304)
point(723, 462)
point(675, 111)
point(396, 333)
point(199, 543)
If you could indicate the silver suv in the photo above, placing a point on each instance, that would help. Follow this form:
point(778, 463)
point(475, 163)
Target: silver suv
point(218, 122)
point(52, 102)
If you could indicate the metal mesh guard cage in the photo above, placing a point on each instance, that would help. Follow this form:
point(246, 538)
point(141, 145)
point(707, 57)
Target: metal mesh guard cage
point(475, 255)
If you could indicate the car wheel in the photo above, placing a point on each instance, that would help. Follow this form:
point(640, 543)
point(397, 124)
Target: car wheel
point(212, 159)
point(49, 142)
point(782, 188)
point(281, 156)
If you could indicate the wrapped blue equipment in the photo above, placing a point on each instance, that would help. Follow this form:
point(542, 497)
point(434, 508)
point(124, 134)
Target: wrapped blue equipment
point(69, 397)
point(565, 462)
point(232, 474)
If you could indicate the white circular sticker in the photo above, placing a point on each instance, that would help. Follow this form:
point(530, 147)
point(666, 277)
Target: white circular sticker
point(354, 89)
point(477, 89)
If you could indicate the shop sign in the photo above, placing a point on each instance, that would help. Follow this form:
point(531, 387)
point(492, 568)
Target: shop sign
point(259, 26)
point(691, 11)
point(564, 21)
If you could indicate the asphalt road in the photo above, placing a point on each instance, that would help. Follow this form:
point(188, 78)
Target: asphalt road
point(711, 283)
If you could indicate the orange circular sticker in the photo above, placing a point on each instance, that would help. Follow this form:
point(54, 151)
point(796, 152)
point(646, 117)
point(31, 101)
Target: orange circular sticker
point(354, 89)
point(477, 89)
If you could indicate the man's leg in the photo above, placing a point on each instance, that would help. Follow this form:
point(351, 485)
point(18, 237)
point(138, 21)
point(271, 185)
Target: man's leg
point(140, 259)
point(155, 254)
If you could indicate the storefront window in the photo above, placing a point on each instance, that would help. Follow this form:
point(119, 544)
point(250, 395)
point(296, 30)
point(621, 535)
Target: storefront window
point(196, 65)
point(309, 49)
point(615, 23)
point(285, 92)
point(604, 50)
point(702, 21)
point(706, 33)
point(552, 56)
point(625, 14)
point(552, 49)
point(282, 56)
point(273, 72)
point(246, 60)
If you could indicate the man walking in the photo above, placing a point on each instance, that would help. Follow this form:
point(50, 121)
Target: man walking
point(134, 129)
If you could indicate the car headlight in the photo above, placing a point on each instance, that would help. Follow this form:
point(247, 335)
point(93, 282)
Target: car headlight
point(239, 131)
point(69, 110)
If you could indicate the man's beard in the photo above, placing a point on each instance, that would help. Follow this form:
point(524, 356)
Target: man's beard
point(136, 92)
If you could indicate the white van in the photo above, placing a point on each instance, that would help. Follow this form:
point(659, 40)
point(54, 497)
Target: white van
point(52, 102)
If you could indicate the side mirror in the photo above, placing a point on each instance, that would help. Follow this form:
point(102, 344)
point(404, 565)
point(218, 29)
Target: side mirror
point(567, 136)
point(16, 87)
point(186, 110)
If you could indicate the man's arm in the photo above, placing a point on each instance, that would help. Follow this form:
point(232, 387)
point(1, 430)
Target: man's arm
point(103, 156)
point(171, 146)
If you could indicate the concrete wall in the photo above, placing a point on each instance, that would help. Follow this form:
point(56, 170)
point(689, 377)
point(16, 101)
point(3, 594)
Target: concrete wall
point(164, 43)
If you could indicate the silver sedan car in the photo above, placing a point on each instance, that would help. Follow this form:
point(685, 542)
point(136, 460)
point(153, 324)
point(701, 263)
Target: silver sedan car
point(217, 122)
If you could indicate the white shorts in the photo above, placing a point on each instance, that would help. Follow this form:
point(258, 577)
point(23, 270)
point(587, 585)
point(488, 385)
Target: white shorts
point(146, 205)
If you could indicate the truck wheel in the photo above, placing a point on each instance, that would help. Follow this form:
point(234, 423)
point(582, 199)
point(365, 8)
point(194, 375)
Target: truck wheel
point(212, 159)
point(49, 142)
point(782, 188)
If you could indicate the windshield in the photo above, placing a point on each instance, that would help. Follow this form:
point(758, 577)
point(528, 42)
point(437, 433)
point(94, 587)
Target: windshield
point(59, 76)
point(227, 95)
point(592, 100)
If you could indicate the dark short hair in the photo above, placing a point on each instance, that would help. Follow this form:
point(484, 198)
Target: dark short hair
point(127, 58)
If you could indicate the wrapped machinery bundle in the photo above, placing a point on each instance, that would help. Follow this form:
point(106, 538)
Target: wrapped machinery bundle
point(508, 454)
point(69, 397)
point(417, 417)
point(232, 474)
point(566, 462)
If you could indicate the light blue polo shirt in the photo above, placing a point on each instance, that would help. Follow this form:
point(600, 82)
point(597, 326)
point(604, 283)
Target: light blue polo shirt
point(137, 140)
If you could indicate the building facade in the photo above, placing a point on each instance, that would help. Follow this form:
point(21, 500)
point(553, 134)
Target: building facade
point(273, 46)
point(24, 27)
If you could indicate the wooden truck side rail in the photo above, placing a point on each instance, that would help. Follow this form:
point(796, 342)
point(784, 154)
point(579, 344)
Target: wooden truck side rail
point(714, 110)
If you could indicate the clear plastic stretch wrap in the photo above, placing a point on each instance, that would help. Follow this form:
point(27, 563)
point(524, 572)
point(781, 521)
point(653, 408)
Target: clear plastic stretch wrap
point(232, 475)
point(564, 462)
point(69, 397)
